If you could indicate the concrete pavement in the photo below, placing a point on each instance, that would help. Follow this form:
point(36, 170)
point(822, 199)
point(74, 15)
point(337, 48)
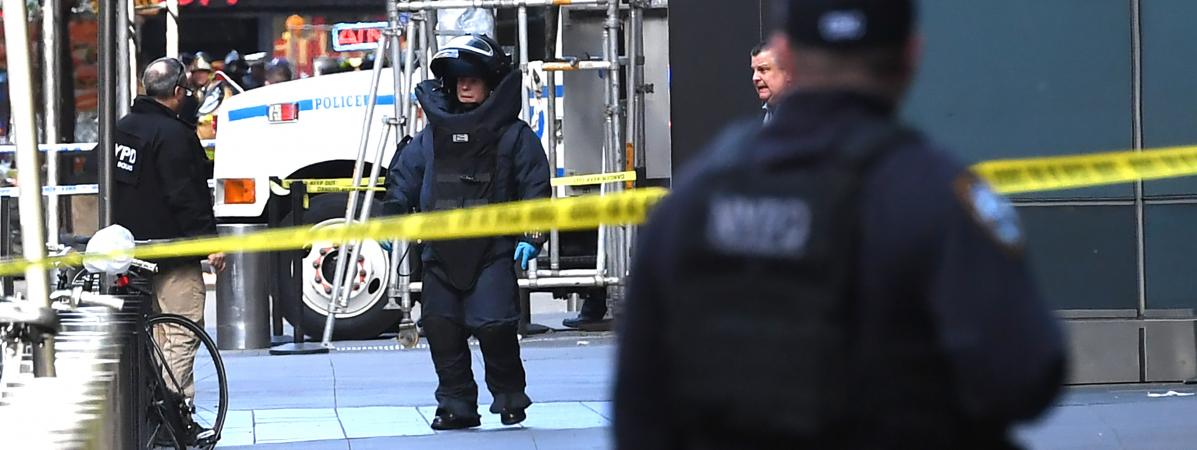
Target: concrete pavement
point(377, 397)
point(1139, 417)
point(373, 395)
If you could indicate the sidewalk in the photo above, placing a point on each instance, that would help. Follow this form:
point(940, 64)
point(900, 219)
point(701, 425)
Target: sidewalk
point(374, 395)
point(1134, 416)
point(383, 399)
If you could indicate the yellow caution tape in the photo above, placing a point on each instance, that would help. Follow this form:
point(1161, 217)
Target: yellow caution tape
point(602, 178)
point(630, 207)
point(333, 182)
point(578, 213)
point(1011, 176)
point(328, 185)
point(329, 189)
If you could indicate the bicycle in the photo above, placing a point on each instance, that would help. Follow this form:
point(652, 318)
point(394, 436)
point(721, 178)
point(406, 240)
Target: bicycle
point(170, 419)
point(164, 416)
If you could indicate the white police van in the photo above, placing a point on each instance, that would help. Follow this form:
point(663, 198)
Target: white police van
point(309, 129)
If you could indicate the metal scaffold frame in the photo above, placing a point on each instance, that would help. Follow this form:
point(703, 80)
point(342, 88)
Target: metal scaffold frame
point(623, 135)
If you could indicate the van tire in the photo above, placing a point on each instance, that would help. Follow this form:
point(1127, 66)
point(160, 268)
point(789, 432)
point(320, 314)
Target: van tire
point(368, 325)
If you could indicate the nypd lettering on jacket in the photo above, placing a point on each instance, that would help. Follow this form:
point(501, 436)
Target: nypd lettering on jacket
point(768, 227)
point(126, 157)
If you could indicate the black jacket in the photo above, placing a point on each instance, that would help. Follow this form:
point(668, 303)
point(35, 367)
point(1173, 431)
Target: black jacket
point(161, 189)
point(523, 168)
point(954, 343)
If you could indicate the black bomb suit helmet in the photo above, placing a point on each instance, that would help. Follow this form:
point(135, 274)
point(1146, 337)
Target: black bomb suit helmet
point(476, 55)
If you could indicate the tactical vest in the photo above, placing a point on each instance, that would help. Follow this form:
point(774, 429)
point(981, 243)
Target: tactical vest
point(466, 168)
point(760, 329)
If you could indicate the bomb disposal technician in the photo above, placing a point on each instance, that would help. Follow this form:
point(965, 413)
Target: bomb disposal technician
point(475, 151)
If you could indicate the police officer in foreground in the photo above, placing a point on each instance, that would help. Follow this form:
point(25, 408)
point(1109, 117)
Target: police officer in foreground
point(475, 151)
point(834, 280)
point(161, 192)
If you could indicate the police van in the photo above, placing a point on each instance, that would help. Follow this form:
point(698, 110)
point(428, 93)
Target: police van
point(309, 129)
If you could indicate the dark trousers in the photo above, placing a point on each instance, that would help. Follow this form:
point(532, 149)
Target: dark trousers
point(489, 312)
point(594, 307)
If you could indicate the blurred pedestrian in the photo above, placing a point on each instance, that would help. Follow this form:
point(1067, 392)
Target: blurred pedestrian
point(834, 280)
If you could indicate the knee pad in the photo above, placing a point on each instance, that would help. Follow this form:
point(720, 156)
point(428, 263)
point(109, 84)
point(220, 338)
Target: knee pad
point(496, 332)
point(441, 331)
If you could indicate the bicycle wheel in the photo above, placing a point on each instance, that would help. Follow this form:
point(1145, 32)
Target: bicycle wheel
point(172, 417)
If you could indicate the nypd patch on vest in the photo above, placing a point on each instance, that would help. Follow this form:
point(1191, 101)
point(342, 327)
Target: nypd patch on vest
point(767, 227)
point(992, 211)
point(126, 157)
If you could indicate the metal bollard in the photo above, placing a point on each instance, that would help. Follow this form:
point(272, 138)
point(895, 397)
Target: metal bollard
point(127, 399)
point(126, 403)
point(242, 293)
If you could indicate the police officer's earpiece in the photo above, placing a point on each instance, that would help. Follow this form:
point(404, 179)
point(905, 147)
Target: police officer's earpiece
point(181, 80)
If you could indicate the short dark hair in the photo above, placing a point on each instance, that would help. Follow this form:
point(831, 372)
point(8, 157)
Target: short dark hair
point(760, 48)
point(279, 73)
point(162, 76)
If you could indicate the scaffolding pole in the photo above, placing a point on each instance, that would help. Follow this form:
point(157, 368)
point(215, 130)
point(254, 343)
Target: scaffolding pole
point(613, 158)
point(550, 121)
point(33, 239)
point(50, 44)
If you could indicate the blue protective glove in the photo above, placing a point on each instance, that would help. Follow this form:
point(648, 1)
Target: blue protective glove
point(525, 252)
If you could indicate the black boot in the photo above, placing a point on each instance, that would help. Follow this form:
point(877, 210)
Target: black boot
point(512, 417)
point(591, 317)
point(445, 420)
point(505, 377)
point(456, 392)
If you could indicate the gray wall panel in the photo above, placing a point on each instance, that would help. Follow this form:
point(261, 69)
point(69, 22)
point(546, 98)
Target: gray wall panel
point(1169, 351)
point(1026, 78)
point(1083, 257)
point(1171, 257)
point(1103, 351)
point(1169, 84)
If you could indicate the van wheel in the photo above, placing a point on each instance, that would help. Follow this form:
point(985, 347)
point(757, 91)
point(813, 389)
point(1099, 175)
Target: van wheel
point(365, 316)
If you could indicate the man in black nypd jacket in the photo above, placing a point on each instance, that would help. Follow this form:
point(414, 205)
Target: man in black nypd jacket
point(834, 280)
point(475, 151)
point(161, 192)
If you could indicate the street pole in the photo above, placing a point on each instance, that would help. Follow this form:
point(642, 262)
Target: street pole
point(123, 55)
point(107, 97)
point(16, 32)
point(172, 28)
point(50, 113)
